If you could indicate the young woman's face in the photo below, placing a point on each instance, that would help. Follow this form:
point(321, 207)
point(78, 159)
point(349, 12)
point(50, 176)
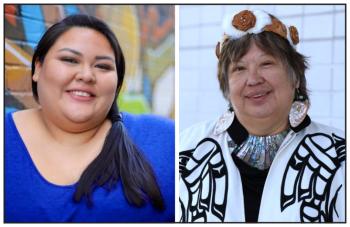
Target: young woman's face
point(78, 78)
point(259, 86)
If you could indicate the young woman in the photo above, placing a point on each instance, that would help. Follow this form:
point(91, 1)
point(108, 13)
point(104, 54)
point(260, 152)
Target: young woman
point(76, 158)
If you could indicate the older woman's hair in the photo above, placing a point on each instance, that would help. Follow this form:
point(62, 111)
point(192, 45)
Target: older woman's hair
point(271, 43)
point(119, 157)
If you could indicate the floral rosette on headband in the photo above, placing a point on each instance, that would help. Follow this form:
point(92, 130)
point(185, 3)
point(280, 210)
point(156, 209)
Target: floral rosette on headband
point(254, 22)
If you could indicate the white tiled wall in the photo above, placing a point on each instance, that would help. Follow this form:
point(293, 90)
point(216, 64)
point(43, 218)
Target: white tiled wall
point(322, 33)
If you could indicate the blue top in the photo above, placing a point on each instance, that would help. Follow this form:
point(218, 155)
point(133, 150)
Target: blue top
point(31, 198)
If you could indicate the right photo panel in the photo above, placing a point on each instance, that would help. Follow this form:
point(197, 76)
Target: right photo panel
point(262, 113)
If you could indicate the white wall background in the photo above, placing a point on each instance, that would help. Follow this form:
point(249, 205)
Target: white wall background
point(322, 34)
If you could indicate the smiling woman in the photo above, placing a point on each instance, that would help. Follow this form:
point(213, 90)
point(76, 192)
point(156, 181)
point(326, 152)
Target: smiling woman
point(76, 158)
point(264, 160)
point(77, 81)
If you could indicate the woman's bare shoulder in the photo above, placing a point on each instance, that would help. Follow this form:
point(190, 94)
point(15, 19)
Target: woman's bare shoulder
point(25, 114)
point(26, 118)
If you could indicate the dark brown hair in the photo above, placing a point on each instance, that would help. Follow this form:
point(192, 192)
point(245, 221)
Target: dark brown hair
point(272, 44)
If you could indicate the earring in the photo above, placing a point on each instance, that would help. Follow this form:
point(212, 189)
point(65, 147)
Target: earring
point(35, 77)
point(298, 110)
point(224, 122)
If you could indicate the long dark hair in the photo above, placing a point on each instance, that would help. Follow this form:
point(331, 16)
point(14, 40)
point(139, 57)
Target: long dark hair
point(120, 158)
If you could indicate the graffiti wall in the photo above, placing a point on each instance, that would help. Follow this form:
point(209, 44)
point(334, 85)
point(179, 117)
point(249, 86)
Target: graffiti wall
point(145, 32)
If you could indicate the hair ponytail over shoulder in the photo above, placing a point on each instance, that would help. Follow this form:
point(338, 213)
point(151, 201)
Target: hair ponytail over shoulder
point(120, 159)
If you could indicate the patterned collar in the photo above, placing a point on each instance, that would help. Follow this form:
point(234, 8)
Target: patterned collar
point(239, 134)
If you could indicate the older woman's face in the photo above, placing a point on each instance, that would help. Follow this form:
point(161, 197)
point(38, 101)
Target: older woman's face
point(78, 79)
point(259, 87)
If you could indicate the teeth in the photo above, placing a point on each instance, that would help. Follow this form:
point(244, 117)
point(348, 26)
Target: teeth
point(81, 93)
point(259, 95)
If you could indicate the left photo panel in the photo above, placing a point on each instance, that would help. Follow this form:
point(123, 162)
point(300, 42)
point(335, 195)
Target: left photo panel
point(89, 129)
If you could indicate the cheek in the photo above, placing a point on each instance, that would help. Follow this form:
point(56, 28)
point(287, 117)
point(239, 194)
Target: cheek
point(49, 83)
point(52, 76)
point(291, 95)
point(109, 86)
point(234, 89)
point(286, 92)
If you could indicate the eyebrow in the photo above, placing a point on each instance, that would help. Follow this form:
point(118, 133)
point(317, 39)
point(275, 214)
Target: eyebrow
point(260, 56)
point(102, 57)
point(266, 55)
point(70, 50)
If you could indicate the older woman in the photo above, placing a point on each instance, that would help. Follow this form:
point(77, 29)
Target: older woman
point(75, 158)
point(264, 159)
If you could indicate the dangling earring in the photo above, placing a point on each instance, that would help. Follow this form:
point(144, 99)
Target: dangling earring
point(298, 110)
point(35, 77)
point(224, 122)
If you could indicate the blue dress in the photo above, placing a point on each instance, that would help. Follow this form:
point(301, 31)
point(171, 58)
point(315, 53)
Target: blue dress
point(31, 198)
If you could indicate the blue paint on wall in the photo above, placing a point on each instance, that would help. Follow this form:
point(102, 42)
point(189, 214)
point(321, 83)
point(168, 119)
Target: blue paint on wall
point(147, 88)
point(71, 9)
point(33, 23)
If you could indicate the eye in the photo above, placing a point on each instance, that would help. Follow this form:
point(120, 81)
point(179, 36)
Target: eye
point(267, 63)
point(106, 67)
point(69, 60)
point(238, 68)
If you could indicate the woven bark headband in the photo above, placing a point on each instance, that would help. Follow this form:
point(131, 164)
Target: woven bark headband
point(256, 21)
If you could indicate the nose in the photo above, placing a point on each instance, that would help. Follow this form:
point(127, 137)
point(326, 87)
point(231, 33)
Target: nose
point(254, 77)
point(86, 74)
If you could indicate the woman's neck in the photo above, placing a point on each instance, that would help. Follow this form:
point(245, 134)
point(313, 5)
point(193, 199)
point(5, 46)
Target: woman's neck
point(61, 134)
point(263, 126)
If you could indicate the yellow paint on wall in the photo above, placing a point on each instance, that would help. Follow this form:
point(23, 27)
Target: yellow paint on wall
point(18, 78)
point(124, 23)
point(12, 53)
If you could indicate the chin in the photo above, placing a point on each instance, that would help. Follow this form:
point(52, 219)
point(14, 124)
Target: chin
point(260, 113)
point(79, 117)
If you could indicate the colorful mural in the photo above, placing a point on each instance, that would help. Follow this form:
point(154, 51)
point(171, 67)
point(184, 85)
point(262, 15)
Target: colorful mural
point(145, 32)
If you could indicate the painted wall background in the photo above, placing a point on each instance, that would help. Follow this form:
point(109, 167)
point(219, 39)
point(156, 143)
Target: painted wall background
point(146, 34)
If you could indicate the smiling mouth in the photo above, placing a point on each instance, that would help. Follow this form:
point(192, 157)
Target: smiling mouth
point(258, 95)
point(81, 95)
